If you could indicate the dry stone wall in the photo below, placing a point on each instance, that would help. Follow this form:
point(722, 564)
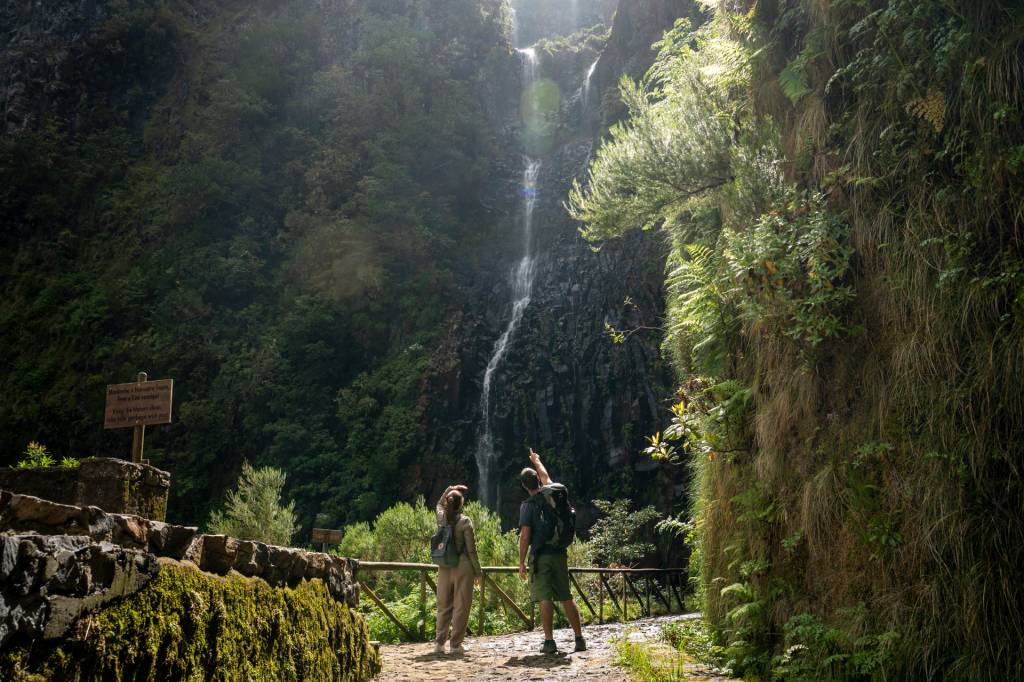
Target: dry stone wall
point(113, 485)
point(58, 560)
point(48, 581)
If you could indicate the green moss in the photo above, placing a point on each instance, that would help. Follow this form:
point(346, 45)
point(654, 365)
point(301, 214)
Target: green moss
point(158, 510)
point(126, 493)
point(191, 625)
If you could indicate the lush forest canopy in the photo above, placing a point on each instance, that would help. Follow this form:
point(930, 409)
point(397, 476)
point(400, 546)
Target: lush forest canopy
point(278, 208)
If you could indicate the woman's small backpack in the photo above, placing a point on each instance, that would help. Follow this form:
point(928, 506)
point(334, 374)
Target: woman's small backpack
point(442, 547)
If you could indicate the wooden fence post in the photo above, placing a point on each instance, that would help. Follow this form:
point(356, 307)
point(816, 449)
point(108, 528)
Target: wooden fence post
point(678, 593)
point(660, 596)
point(625, 597)
point(600, 602)
point(423, 604)
point(483, 584)
point(507, 600)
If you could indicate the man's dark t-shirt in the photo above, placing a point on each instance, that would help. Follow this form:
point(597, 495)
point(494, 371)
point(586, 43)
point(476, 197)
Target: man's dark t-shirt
point(528, 518)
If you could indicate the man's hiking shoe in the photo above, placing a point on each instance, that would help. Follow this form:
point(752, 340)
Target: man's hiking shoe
point(438, 648)
point(549, 647)
point(457, 651)
point(581, 644)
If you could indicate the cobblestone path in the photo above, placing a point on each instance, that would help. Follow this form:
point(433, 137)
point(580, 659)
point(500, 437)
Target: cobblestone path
point(516, 657)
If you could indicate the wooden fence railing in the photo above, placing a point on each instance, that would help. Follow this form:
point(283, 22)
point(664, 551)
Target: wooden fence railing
point(672, 583)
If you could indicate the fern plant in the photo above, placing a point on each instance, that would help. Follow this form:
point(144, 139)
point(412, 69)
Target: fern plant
point(701, 316)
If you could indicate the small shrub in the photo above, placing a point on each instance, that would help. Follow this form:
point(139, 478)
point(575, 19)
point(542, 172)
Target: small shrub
point(646, 664)
point(816, 651)
point(253, 510)
point(612, 536)
point(793, 265)
point(36, 455)
point(694, 639)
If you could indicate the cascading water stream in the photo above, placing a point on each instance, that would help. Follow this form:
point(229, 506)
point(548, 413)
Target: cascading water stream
point(522, 285)
point(586, 83)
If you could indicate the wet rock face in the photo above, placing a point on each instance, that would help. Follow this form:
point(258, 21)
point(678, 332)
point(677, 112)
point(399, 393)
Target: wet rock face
point(565, 387)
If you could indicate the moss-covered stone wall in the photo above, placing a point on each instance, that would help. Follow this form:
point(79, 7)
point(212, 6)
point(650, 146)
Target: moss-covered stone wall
point(187, 624)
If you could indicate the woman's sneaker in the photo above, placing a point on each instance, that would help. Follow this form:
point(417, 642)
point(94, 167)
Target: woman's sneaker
point(438, 648)
point(581, 644)
point(457, 650)
point(549, 647)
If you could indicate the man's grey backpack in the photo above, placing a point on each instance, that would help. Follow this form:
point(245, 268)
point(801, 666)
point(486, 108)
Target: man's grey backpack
point(442, 547)
point(556, 518)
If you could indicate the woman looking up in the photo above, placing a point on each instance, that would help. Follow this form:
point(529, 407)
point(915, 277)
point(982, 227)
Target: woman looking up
point(455, 584)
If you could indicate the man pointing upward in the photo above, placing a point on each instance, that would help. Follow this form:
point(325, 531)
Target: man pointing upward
point(547, 525)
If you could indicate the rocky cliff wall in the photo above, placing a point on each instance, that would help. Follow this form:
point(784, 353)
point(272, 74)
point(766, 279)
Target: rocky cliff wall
point(636, 27)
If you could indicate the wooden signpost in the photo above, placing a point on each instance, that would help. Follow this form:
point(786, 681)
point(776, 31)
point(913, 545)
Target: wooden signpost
point(143, 403)
point(326, 536)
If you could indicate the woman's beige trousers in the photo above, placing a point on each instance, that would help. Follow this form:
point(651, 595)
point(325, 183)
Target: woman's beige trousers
point(454, 600)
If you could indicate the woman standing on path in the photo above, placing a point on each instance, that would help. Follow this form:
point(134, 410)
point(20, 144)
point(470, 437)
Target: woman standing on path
point(455, 584)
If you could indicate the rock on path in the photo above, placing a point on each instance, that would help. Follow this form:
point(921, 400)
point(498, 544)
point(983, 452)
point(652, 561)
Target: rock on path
point(517, 657)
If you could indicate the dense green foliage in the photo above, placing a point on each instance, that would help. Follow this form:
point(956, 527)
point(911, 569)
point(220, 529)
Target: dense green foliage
point(839, 183)
point(186, 624)
point(613, 537)
point(279, 216)
point(253, 510)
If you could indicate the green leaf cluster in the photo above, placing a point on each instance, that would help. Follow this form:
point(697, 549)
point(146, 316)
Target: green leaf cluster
point(613, 537)
point(37, 455)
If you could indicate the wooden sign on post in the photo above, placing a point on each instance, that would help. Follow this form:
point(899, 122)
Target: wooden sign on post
point(138, 405)
point(325, 536)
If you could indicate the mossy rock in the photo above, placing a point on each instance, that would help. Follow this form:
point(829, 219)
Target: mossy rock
point(190, 625)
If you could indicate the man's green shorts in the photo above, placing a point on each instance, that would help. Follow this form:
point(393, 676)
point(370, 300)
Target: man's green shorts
point(549, 578)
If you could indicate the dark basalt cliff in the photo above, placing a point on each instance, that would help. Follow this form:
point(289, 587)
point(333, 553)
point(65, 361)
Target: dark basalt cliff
point(564, 387)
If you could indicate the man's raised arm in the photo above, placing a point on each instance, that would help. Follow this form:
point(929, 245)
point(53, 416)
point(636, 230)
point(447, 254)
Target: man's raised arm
point(542, 473)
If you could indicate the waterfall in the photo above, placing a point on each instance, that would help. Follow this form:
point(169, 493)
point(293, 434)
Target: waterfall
point(529, 66)
point(522, 285)
point(586, 83)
